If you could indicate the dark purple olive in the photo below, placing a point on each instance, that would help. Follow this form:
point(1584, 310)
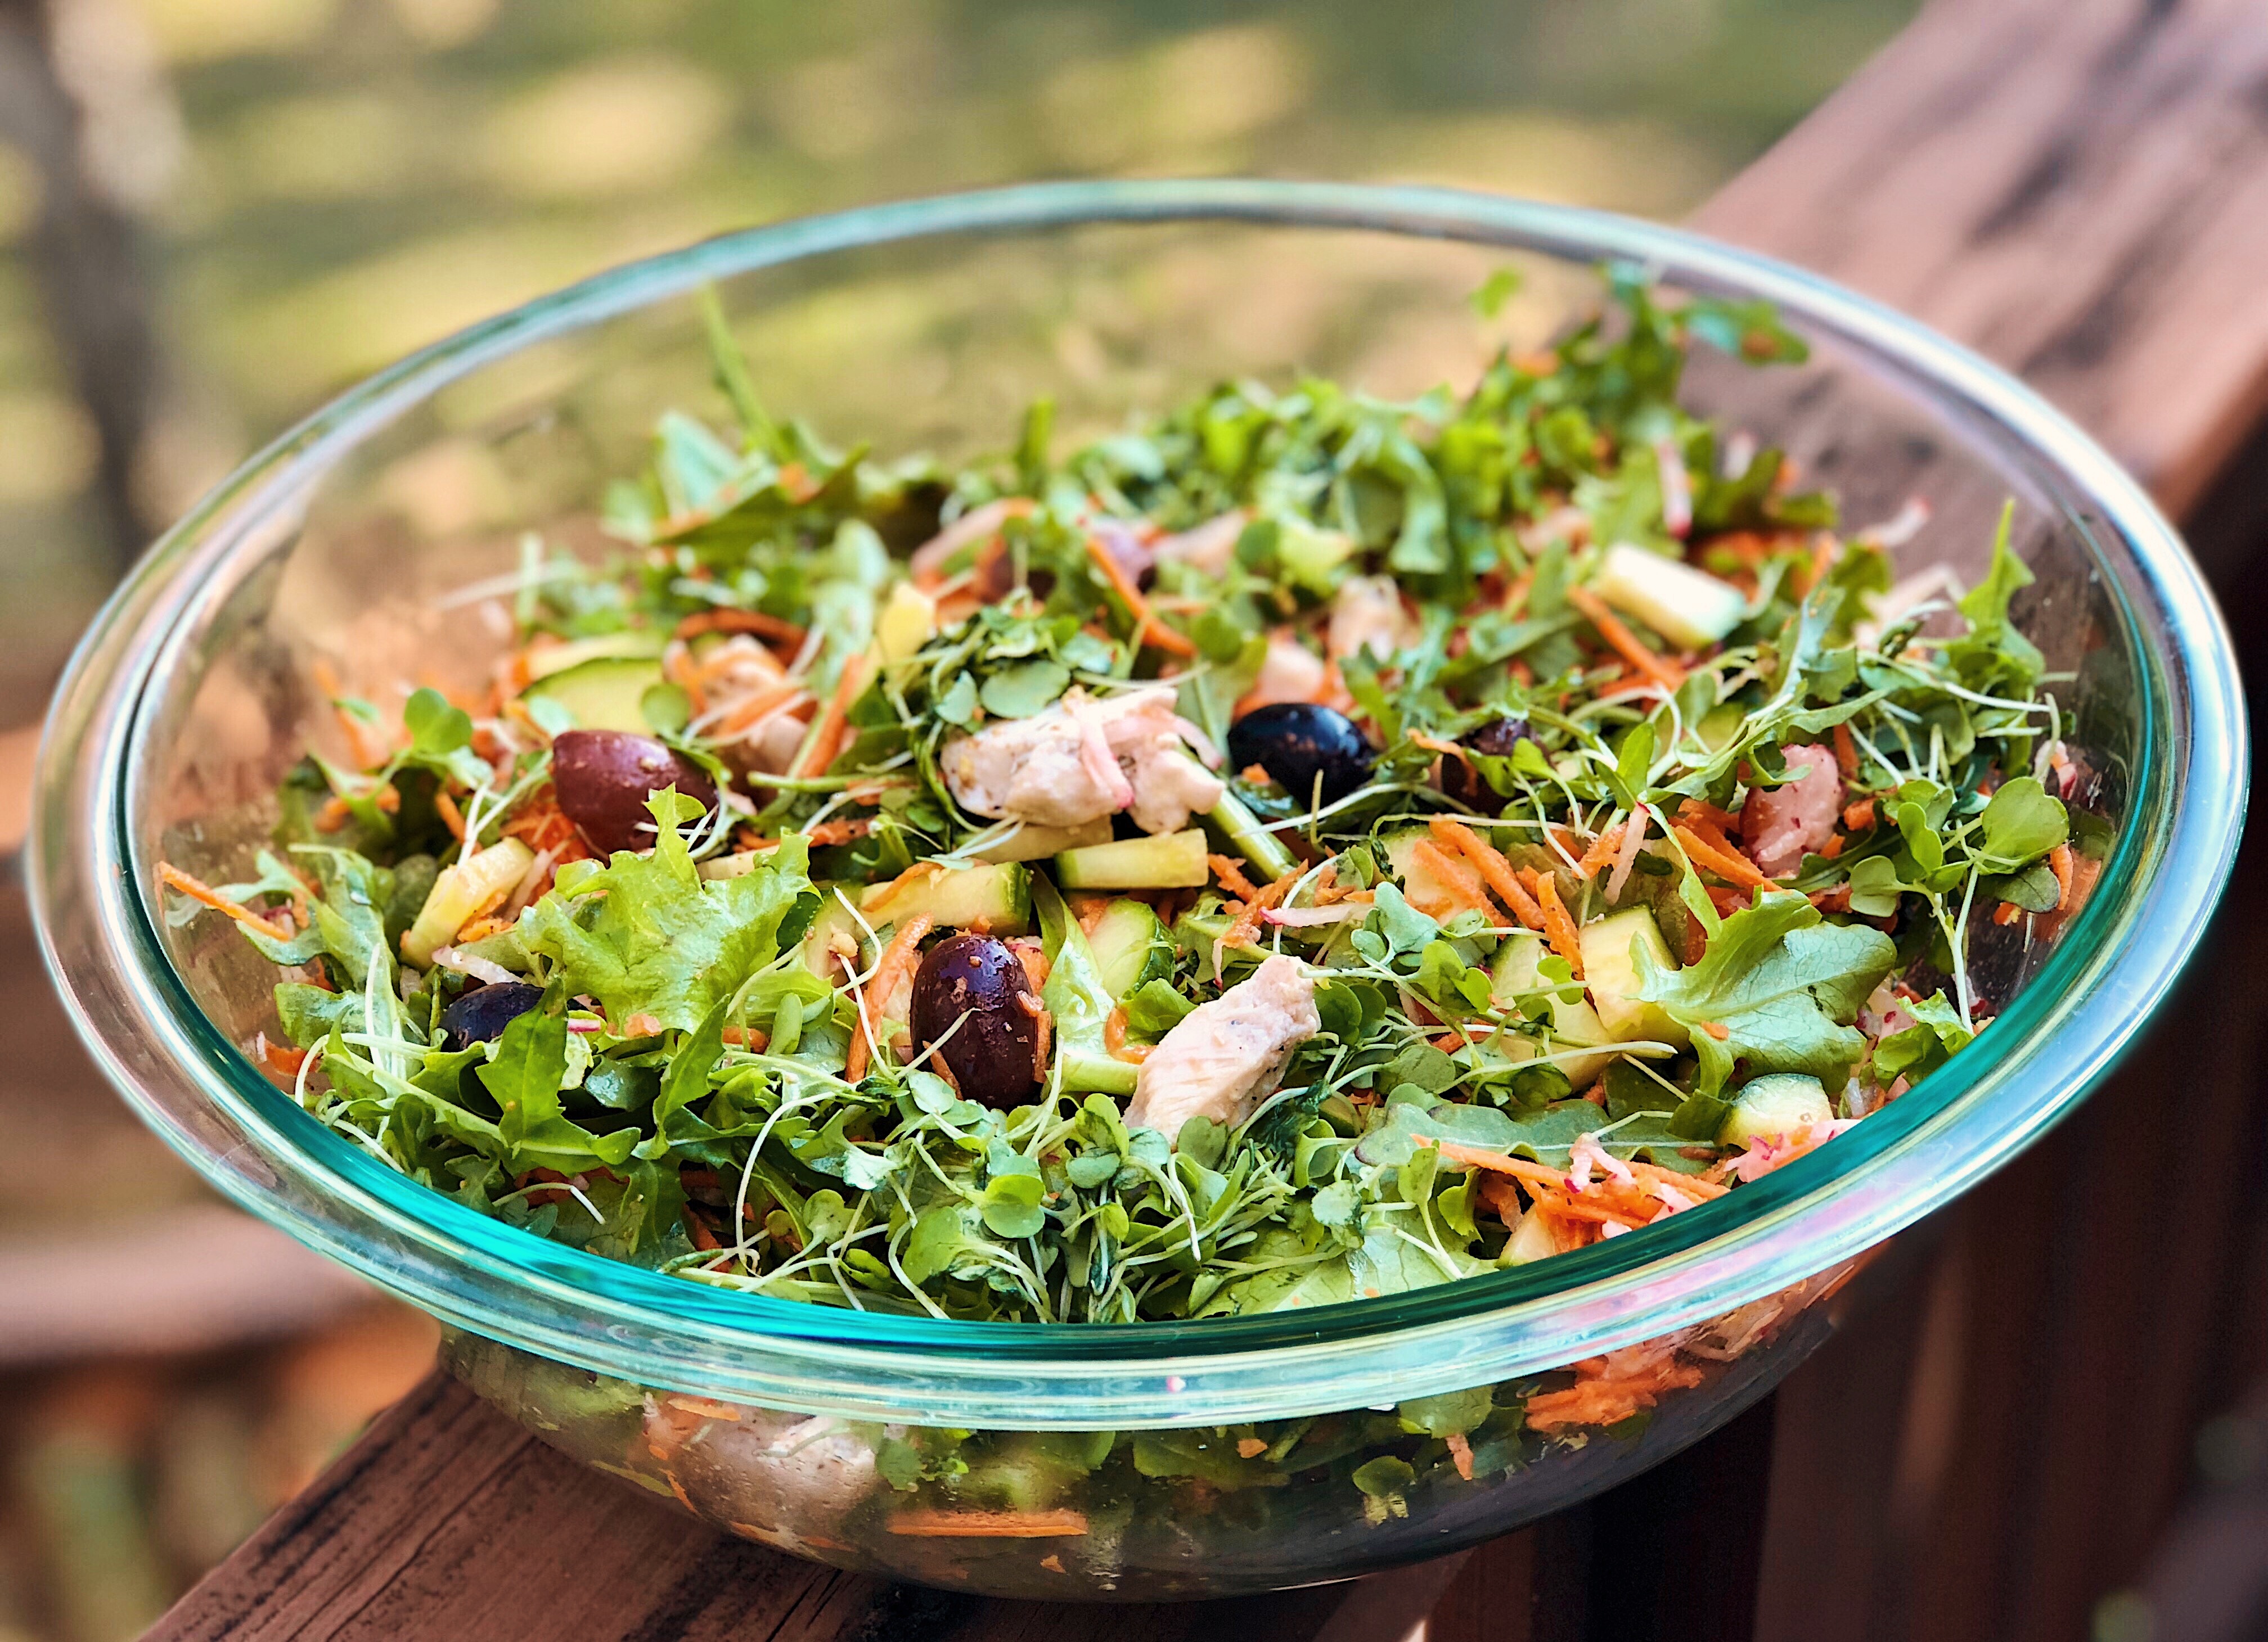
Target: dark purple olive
point(993, 1055)
point(480, 1015)
point(1297, 741)
point(604, 778)
point(1496, 738)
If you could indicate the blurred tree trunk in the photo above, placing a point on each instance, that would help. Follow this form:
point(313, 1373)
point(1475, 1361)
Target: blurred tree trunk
point(87, 108)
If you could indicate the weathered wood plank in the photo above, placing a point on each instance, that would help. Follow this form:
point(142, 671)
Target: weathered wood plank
point(2079, 188)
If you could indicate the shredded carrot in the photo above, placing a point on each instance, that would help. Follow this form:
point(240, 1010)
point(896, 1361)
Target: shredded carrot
point(752, 621)
point(1832, 847)
point(1728, 900)
point(1449, 1042)
point(1734, 869)
point(2006, 913)
point(1558, 927)
point(1114, 1038)
point(989, 1524)
point(1601, 851)
point(1231, 877)
point(1499, 1162)
point(1447, 749)
point(888, 969)
point(1859, 815)
point(1495, 870)
point(1846, 752)
point(1626, 644)
point(2060, 864)
point(1719, 1032)
point(1461, 1454)
point(696, 1227)
point(198, 890)
point(825, 742)
point(1460, 881)
point(452, 818)
point(1147, 628)
point(756, 709)
point(1696, 813)
point(278, 1057)
point(1835, 900)
point(1244, 928)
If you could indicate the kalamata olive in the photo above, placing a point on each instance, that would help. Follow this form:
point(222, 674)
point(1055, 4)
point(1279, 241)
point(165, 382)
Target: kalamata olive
point(604, 778)
point(1496, 738)
point(993, 1054)
point(480, 1015)
point(1297, 741)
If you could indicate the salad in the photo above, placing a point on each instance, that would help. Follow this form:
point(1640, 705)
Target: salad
point(1302, 847)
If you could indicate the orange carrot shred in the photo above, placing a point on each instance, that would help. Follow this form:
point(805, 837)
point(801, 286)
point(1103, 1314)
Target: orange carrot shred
point(2060, 864)
point(887, 969)
point(198, 890)
point(1495, 870)
point(1601, 851)
point(1859, 815)
point(1460, 880)
point(1558, 927)
point(1734, 869)
point(749, 621)
point(1231, 877)
point(1846, 752)
point(1147, 628)
point(1625, 643)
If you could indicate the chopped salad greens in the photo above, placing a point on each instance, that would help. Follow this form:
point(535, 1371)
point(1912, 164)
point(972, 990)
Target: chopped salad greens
point(1304, 848)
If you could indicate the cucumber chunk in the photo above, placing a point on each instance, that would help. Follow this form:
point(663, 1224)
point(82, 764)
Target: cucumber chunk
point(1517, 969)
point(1269, 854)
point(1610, 972)
point(1037, 843)
point(1689, 607)
point(1130, 947)
point(551, 659)
point(606, 692)
point(1779, 1103)
point(996, 897)
point(1170, 860)
point(833, 919)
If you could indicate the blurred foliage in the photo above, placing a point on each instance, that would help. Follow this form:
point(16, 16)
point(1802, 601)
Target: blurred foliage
point(343, 179)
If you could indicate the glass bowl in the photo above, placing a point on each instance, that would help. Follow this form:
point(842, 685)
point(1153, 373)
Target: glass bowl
point(1142, 1461)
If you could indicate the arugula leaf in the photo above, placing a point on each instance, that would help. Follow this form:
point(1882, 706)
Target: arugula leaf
point(1781, 984)
point(523, 1077)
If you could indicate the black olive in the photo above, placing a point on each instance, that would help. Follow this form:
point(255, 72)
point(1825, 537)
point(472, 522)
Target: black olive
point(604, 777)
point(1497, 739)
point(993, 1054)
point(480, 1015)
point(1297, 741)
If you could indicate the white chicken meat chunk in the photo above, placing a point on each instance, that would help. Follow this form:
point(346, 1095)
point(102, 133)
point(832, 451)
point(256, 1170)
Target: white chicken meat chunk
point(1223, 1057)
point(1290, 672)
point(1209, 547)
point(1082, 759)
point(1367, 615)
point(1780, 825)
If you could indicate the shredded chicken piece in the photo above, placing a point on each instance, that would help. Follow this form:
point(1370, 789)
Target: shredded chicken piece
point(1290, 672)
point(1781, 824)
point(1082, 759)
point(1223, 1057)
point(1367, 615)
point(1209, 547)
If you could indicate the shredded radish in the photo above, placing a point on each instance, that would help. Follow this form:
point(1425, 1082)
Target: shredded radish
point(1095, 757)
point(972, 526)
point(1588, 1154)
point(1901, 527)
point(1676, 488)
point(1670, 1196)
point(1198, 741)
point(1307, 917)
point(478, 968)
point(1626, 857)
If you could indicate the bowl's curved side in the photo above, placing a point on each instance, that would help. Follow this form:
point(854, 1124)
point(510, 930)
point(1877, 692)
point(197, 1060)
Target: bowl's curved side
point(145, 1026)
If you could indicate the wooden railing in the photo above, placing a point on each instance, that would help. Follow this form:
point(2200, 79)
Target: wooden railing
point(2079, 188)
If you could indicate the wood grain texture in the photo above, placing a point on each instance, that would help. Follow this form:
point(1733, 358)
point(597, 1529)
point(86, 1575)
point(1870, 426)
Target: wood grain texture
point(2078, 188)
point(447, 1521)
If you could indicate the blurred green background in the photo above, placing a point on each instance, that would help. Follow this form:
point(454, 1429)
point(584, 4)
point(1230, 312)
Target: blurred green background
point(215, 213)
point(318, 186)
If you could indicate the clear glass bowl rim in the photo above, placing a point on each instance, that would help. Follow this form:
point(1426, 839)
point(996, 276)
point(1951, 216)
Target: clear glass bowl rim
point(93, 906)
